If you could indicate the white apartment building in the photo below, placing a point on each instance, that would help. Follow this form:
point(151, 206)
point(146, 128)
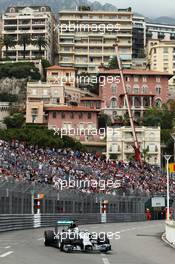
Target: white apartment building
point(36, 21)
point(86, 38)
point(161, 55)
point(160, 31)
point(120, 141)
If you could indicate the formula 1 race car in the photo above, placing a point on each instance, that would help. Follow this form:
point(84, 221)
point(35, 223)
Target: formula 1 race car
point(70, 238)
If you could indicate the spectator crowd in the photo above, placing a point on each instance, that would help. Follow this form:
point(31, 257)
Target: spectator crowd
point(51, 166)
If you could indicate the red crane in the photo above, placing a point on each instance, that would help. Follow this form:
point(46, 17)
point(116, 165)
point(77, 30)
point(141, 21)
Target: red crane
point(136, 144)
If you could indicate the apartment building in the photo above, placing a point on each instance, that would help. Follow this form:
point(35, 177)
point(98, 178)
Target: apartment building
point(120, 141)
point(86, 38)
point(38, 95)
point(138, 37)
point(161, 56)
point(1, 42)
point(145, 89)
point(159, 31)
point(34, 20)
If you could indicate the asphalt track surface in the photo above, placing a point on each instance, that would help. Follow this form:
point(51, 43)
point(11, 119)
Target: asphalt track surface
point(139, 243)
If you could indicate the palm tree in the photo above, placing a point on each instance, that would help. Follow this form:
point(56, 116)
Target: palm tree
point(24, 40)
point(41, 43)
point(8, 42)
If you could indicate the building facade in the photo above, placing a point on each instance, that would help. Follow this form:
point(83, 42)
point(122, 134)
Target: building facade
point(37, 21)
point(156, 31)
point(138, 37)
point(38, 95)
point(145, 89)
point(162, 57)
point(4, 110)
point(78, 122)
point(86, 38)
point(120, 141)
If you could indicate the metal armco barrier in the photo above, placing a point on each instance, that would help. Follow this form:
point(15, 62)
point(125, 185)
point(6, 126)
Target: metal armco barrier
point(15, 222)
point(21, 222)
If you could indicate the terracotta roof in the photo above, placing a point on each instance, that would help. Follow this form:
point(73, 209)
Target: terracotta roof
point(71, 108)
point(133, 72)
point(58, 67)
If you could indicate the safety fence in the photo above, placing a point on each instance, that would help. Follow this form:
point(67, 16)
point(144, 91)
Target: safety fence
point(19, 206)
point(21, 198)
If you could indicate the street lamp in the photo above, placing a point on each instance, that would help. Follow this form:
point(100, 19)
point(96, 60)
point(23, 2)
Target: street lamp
point(173, 136)
point(167, 157)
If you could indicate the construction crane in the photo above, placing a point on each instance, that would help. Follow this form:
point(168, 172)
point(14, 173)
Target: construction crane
point(136, 144)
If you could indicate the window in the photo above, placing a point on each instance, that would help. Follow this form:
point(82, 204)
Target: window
point(144, 89)
point(165, 50)
point(80, 115)
point(158, 103)
point(62, 115)
point(127, 79)
point(72, 115)
point(54, 114)
point(158, 90)
point(136, 79)
point(43, 9)
point(136, 89)
point(34, 92)
point(89, 115)
point(114, 88)
point(144, 79)
point(34, 111)
point(128, 88)
point(67, 126)
point(81, 126)
point(113, 103)
point(158, 79)
point(45, 92)
point(151, 136)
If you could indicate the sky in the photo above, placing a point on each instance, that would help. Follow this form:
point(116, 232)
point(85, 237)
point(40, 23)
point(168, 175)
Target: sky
point(150, 8)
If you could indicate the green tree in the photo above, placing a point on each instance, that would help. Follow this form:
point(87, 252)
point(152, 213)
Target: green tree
point(84, 8)
point(8, 42)
point(14, 121)
point(40, 43)
point(45, 65)
point(158, 117)
point(104, 120)
point(113, 63)
point(24, 40)
point(164, 118)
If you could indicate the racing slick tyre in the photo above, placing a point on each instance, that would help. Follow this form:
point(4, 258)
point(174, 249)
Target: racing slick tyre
point(49, 237)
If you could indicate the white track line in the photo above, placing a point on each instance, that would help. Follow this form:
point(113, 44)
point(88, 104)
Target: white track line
point(105, 261)
point(6, 254)
point(42, 238)
point(7, 247)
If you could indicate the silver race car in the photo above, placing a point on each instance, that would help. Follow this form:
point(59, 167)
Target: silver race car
point(71, 238)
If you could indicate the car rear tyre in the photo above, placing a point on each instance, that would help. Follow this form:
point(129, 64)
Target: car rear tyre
point(49, 237)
